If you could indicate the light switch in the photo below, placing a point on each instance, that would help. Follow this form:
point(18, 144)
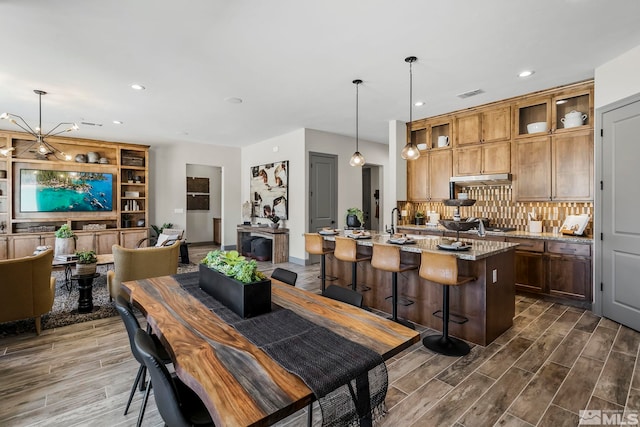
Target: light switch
point(495, 275)
point(178, 210)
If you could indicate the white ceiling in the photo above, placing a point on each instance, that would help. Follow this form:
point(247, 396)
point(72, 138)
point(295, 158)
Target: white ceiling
point(291, 61)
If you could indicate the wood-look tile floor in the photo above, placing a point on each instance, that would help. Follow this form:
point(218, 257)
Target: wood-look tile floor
point(553, 362)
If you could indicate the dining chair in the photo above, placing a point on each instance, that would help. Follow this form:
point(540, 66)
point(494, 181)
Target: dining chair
point(287, 276)
point(178, 405)
point(343, 294)
point(131, 325)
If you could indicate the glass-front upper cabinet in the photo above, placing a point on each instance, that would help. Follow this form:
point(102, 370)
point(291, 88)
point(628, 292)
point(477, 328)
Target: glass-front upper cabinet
point(567, 110)
point(431, 134)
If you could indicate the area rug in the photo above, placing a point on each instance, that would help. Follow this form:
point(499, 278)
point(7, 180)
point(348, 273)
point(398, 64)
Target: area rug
point(65, 305)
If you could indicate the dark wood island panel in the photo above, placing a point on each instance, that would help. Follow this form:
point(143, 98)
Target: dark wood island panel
point(488, 305)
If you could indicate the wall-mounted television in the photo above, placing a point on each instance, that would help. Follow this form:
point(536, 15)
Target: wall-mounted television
point(65, 191)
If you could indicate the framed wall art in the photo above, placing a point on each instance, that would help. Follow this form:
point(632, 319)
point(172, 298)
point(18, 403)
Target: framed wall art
point(270, 189)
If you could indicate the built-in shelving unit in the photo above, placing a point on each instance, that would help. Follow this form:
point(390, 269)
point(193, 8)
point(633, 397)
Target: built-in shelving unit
point(124, 219)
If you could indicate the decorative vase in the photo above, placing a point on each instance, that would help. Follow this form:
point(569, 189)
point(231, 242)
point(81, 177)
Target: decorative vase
point(419, 220)
point(86, 269)
point(352, 221)
point(64, 246)
point(274, 225)
point(244, 299)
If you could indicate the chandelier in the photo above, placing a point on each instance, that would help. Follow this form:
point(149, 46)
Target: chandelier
point(43, 147)
point(410, 150)
point(357, 159)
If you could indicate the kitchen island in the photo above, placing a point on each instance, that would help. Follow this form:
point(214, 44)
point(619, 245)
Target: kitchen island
point(480, 310)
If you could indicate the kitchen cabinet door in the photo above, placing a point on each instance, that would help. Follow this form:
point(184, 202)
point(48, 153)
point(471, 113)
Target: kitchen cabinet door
point(529, 271)
point(467, 161)
point(496, 158)
point(569, 277)
point(468, 130)
point(440, 169)
point(533, 169)
point(572, 161)
point(496, 125)
point(417, 178)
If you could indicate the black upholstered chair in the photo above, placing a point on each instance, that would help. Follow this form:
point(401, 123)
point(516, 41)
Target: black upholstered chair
point(132, 326)
point(343, 294)
point(287, 276)
point(178, 405)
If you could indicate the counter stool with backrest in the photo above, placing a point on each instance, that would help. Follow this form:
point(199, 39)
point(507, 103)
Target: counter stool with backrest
point(387, 258)
point(314, 244)
point(443, 269)
point(347, 250)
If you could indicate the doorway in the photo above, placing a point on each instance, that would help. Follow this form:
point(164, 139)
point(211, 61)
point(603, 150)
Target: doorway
point(371, 197)
point(619, 246)
point(200, 220)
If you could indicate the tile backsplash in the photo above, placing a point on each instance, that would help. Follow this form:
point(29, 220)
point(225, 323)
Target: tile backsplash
point(495, 203)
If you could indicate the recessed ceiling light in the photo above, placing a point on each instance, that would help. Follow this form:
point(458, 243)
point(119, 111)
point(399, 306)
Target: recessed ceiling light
point(137, 86)
point(526, 73)
point(233, 100)
point(117, 122)
point(419, 103)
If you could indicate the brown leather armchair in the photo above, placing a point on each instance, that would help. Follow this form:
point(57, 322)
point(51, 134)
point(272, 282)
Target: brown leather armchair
point(27, 288)
point(134, 264)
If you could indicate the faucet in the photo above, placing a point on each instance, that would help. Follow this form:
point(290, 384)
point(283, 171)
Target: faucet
point(392, 230)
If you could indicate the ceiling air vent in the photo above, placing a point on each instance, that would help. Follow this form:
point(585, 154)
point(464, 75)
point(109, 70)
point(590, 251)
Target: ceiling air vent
point(470, 93)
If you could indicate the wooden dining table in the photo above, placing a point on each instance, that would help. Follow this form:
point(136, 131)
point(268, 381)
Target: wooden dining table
point(238, 382)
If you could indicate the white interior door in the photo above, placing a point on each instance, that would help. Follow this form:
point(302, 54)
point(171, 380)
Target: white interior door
point(620, 222)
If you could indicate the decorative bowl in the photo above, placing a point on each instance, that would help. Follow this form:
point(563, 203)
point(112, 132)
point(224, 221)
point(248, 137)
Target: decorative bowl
point(537, 127)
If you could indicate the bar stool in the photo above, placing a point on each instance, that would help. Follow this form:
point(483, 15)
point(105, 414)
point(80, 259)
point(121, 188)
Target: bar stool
point(347, 250)
point(314, 244)
point(443, 269)
point(387, 258)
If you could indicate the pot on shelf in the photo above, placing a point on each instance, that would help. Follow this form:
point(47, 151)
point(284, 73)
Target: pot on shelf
point(573, 119)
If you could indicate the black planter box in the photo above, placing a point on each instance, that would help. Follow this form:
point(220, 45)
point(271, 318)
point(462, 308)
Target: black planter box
point(244, 299)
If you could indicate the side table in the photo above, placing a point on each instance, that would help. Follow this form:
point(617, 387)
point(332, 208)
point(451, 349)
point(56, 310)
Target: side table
point(85, 291)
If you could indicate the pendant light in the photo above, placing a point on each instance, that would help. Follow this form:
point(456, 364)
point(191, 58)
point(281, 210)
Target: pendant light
point(357, 159)
point(410, 150)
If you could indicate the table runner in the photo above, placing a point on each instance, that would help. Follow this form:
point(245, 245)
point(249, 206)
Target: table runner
point(349, 380)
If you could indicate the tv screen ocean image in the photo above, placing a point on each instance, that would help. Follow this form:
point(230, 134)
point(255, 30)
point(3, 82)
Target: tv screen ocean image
point(64, 191)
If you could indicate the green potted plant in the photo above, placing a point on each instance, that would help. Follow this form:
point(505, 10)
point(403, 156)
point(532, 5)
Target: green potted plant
point(65, 241)
point(86, 263)
point(275, 221)
point(158, 230)
point(354, 218)
point(236, 282)
point(419, 218)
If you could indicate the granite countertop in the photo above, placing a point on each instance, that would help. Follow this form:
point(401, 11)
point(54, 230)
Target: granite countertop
point(479, 248)
point(473, 234)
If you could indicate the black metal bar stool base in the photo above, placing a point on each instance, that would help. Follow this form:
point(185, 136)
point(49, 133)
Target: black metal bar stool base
point(448, 346)
point(402, 322)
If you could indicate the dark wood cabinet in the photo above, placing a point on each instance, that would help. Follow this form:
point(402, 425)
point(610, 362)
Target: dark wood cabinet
point(530, 271)
point(569, 277)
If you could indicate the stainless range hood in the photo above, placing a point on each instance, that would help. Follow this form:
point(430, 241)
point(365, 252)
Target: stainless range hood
point(490, 179)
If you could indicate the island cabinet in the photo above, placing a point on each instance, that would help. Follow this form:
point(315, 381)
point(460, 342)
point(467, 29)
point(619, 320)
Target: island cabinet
point(428, 175)
point(480, 310)
point(482, 159)
point(490, 125)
